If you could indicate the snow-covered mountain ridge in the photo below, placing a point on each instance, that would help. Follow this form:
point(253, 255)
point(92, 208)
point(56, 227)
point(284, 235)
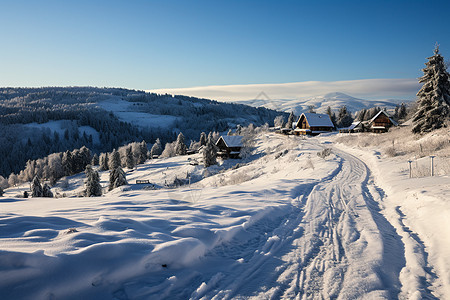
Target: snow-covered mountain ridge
point(320, 103)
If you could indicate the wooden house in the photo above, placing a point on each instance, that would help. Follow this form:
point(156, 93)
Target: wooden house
point(229, 146)
point(313, 124)
point(381, 122)
point(356, 126)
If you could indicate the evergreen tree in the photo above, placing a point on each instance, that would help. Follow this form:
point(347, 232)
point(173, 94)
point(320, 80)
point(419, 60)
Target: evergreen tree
point(279, 121)
point(332, 116)
point(93, 187)
point(203, 139)
point(344, 119)
point(209, 154)
point(156, 148)
point(129, 159)
point(362, 115)
point(67, 163)
point(104, 161)
point(46, 191)
point(95, 160)
point(117, 178)
point(36, 188)
point(1, 192)
point(143, 150)
point(114, 160)
point(402, 111)
point(433, 99)
point(291, 120)
point(180, 146)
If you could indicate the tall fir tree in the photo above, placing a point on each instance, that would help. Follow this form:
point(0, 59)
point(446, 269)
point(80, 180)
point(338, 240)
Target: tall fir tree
point(209, 153)
point(291, 120)
point(117, 178)
point(93, 187)
point(1, 192)
point(332, 116)
point(203, 139)
point(46, 191)
point(180, 146)
point(143, 152)
point(344, 118)
point(129, 159)
point(104, 162)
point(36, 187)
point(433, 99)
point(95, 160)
point(156, 148)
point(114, 160)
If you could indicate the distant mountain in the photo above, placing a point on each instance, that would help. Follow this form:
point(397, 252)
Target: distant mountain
point(320, 103)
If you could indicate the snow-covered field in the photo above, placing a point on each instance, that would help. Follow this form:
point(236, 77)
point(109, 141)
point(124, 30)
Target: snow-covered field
point(283, 223)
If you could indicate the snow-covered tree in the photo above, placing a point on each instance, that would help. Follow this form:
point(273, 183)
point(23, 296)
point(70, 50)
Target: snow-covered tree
point(142, 153)
point(291, 120)
point(93, 187)
point(114, 160)
point(156, 148)
point(95, 160)
point(278, 121)
point(332, 115)
point(180, 146)
point(104, 161)
point(3, 182)
point(129, 159)
point(13, 180)
point(36, 187)
point(344, 118)
point(209, 153)
point(117, 178)
point(203, 139)
point(433, 99)
point(46, 191)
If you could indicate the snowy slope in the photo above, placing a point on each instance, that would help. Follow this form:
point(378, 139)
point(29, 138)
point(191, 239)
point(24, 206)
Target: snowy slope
point(320, 103)
point(284, 223)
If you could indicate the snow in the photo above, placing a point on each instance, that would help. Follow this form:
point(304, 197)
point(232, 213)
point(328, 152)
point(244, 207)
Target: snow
point(283, 223)
point(232, 140)
point(126, 112)
point(318, 120)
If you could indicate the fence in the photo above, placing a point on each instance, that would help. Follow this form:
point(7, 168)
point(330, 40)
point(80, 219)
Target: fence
point(429, 166)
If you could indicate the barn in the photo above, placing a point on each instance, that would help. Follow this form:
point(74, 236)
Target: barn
point(381, 122)
point(313, 124)
point(229, 146)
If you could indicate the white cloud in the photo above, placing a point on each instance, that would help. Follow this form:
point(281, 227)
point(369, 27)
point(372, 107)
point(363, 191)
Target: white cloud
point(364, 88)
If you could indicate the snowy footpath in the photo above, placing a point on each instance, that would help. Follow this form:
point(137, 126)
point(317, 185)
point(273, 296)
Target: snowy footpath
point(283, 224)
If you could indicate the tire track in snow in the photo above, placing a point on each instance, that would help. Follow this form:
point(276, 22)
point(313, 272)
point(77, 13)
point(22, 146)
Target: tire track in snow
point(335, 249)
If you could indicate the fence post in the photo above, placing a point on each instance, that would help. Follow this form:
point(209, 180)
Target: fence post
point(432, 165)
point(410, 171)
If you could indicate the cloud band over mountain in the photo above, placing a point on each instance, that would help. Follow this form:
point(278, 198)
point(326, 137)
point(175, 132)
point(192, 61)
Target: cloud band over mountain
point(364, 88)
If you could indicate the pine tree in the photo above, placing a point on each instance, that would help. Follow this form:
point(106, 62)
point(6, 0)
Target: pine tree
point(143, 150)
point(433, 102)
point(95, 160)
point(332, 115)
point(291, 120)
point(209, 153)
point(344, 119)
point(117, 178)
point(104, 161)
point(93, 187)
point(180, 146)
point(1, 192)
point(129, 159)
point(203, 139)
point(36, 188)
point(156, 148)
point(46, 191)
point(114, 160)
point(402, 111)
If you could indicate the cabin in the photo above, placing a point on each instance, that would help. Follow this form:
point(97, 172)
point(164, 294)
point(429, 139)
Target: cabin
point(229, 146)
point(313, 124)
point(356, 126)
point(381, 122)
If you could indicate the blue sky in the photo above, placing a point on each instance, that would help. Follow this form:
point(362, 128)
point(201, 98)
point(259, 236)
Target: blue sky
point(177, 44)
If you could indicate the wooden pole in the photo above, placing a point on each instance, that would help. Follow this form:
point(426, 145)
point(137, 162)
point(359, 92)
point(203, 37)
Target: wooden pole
point(432, 165)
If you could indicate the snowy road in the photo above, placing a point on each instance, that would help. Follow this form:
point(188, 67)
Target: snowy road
point(336, 244)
